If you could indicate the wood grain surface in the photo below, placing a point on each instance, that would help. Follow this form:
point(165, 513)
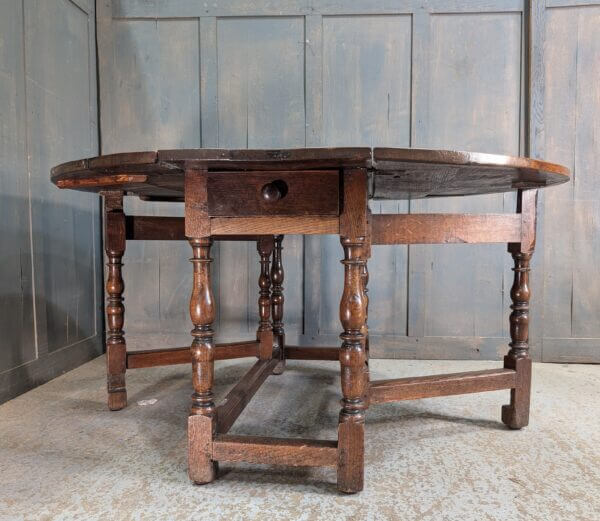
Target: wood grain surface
point(395, 173)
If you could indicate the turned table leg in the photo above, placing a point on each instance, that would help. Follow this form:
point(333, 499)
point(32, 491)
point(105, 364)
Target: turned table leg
point(202, 419)
point(116, 351)
point(277, 300)
point(365, 329)
point(516, 415)
point(264, 335)
point(353, 315)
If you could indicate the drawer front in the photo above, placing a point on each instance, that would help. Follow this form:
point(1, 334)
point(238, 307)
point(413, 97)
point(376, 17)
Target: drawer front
point(308, 192)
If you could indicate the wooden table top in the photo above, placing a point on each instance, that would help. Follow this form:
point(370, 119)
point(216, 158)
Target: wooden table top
point(395, 173)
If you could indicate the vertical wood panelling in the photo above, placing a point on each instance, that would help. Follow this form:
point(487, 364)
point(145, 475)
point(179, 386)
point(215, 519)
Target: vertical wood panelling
point(48, 99)
point(474, 104)
point(154, 102)
point(572, 211)
point(58, 106)
point(260, 105)
point(362, 108)
point(16, 303)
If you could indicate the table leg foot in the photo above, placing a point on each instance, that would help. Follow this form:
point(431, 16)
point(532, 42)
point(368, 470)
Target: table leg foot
point(516, 415)
point(117, 400)
point(351, 442)
point(201, 468)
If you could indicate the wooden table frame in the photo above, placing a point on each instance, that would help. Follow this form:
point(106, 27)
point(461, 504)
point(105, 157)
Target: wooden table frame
point(208, 424)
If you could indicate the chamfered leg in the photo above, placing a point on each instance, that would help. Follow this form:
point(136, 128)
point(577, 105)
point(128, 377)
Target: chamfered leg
point(277, 300)
point(265, 245)
point(516, 414)
point(202, 418)
point(353, 314)
point(116, 351)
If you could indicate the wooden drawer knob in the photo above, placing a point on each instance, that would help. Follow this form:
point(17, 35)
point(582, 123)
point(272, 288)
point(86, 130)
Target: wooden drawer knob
point(274, 191)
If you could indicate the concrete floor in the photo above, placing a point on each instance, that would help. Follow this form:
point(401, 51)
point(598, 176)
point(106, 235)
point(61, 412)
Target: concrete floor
point(63, 455)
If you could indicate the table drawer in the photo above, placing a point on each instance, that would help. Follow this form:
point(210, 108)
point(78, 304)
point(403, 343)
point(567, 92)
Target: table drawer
point(307, 192)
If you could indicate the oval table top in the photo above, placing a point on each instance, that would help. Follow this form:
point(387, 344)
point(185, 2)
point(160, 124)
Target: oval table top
point(394, 173)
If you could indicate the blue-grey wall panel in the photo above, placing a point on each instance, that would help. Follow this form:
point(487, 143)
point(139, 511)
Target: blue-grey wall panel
point(572, 211)
point(474, 104)
point(50, 286)
point(17, 344)
point(366, 101)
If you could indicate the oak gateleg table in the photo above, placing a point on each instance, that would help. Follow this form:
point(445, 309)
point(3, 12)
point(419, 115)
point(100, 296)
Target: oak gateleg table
point(262, 195)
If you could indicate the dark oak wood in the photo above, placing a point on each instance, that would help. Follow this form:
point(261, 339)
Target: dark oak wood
point(516, 414)
point(182, 355)
point(353, 315)
point(275, 451)
point(312, 353)
point(202, 313)
point(309, 192)
point(410, 173)
point(445, 228)
point(282, 225)
point(241, 394)
point(116, 350)
point(197, 222)
point(155, 228)
point(201, 467)
point(262, 195)
point(277, 302)
point(264, 334)
point(415, 388)
point(396, 173)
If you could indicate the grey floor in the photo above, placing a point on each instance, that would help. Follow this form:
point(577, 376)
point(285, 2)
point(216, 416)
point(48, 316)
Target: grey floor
point(64, 456)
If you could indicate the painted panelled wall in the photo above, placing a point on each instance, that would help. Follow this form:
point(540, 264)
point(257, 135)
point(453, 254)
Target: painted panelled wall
point(503, 76)
point(50, 251)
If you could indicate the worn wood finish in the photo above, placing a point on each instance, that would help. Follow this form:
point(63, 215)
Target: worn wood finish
point(309, 192)
point(516, 415)
point(202, 313)
point(450, 74)
point(157, 228)
point(445, 228)
point(396, 173)
point(116, 350)
point(275, 451)
point(241, 394)
point(265, 331)
point(181, 355)
point(403, 173)
point(353, 316)
point(280, 226)
point(358, 229)
point(415, 388)
point(312, 353)
point(277, 302)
